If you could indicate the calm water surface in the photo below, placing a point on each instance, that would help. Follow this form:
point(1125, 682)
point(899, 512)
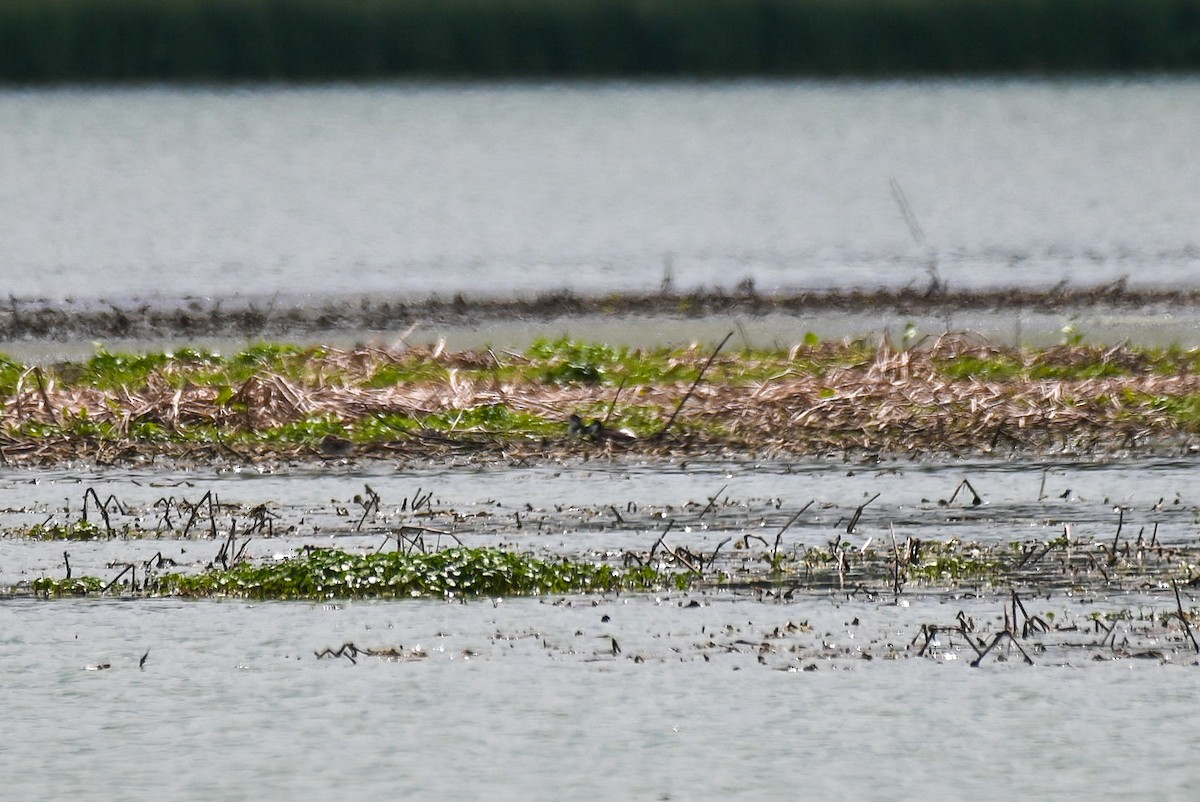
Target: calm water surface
point(162, 193)
point(497, 189)
point(232, 704)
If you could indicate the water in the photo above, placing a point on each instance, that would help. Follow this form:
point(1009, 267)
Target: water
point(498, 189)
point(597, 508)
point(162, 193)
point(232, 704)
point(526, 698)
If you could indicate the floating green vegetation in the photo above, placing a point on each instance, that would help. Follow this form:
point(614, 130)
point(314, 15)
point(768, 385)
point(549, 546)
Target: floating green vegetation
point(74, 530)
point(454, 572)
point(292, 361)
point(57, 588)
point(115, 371)
point(995, 368)
point(490, 419)
point(131, 372)
point(915, 565)
point(457, 572)
point(971, 566)
point(383, 426)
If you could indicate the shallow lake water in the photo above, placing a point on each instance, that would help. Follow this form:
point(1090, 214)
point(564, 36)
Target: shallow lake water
point(494, 189)
point(680, 695)
point(232, 704)
point(594, 507)
point(158, 193)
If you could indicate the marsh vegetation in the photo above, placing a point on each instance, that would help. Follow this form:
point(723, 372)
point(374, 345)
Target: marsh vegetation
point(952, 394)
point(1108, 586)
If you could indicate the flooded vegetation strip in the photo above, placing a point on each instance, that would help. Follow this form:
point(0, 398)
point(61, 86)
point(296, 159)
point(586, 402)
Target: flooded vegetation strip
point(563, 398)
point(418, 549)
point(1132, 590)
point(414, 560)
point(280, 319)
point(1085, 590)
point(318, 574)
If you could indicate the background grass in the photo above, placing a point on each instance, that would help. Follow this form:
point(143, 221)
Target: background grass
point(309, 40)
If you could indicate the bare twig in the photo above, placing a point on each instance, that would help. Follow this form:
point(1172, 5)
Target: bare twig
point(1183, 619)
point(858, 514)
point(671, 421)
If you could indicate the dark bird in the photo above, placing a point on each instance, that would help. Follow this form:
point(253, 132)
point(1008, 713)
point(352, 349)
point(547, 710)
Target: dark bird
point(334, 446)
point(577, 428)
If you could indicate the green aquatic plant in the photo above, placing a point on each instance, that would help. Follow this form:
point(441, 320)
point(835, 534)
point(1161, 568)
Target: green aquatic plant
point(148, 431)
point(498, 420)
point(922, 563)
point(56, 588)
point(956, 566)
point(566, 361)
point(131, 372)
point(454, 572)
point(74, 530)
point(314, 573)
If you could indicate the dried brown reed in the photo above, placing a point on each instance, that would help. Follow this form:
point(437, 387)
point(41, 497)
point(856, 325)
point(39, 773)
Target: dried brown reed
point(896, 401)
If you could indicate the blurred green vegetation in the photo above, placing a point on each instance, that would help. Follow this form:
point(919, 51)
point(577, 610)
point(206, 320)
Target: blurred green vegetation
point(310, 40)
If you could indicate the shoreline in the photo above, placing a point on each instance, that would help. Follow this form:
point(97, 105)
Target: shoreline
point(24, 320)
